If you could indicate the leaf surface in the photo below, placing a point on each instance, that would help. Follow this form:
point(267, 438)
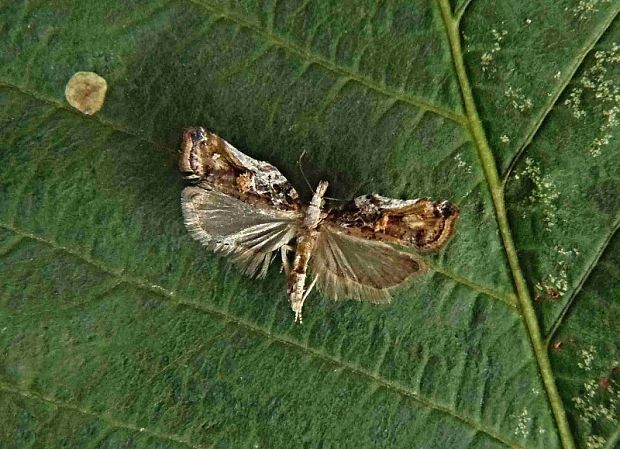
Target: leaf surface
point(118, 330)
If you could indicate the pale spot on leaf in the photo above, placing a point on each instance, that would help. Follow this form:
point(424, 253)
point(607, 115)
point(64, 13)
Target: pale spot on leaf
point(86, 91)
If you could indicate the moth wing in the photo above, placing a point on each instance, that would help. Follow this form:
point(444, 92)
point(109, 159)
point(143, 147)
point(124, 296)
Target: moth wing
point(208, 158)
point(355, 268)
point(230, 226)
point(421, 224)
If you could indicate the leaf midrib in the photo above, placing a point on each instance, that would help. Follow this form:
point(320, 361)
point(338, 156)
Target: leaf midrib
point(496, 187)
point(590, 267)
point(223, 315)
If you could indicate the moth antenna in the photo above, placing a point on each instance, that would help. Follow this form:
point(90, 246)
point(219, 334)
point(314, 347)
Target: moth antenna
point(355, 192)
point(359, 187)
point(301, 169)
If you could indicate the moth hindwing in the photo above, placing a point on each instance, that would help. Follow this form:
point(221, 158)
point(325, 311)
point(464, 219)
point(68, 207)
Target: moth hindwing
point(248, 210)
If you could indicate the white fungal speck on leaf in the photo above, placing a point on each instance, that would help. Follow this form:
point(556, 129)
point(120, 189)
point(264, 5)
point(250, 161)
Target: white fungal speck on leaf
point(586, 356)
point(544, 194)
point(574, 103)
point(519, 100)
point(555, 285)
point(586, 8)
point(595, 442)
point(488, 56)
point(460, 163)
point(598, 398)
point(523, 423)
point(597, 83)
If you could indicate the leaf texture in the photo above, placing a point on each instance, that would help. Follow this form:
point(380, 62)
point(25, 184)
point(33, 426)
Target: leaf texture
point(119, 330)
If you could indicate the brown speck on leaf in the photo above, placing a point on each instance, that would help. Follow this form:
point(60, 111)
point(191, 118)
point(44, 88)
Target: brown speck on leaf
point(603, 383)
point(553, 293)
point(86, 91)
point(557, 345)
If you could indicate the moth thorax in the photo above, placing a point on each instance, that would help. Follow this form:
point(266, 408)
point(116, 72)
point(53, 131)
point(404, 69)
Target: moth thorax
point(313, 212)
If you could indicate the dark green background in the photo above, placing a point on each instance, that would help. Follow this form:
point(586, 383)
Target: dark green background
point(118, 330)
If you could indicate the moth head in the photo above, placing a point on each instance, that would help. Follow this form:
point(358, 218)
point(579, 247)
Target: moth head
point(193, 153)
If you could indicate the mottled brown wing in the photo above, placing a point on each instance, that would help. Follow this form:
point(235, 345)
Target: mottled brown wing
point(421, 224)
point(232, 227)
point(349, 267)
point(210, 160)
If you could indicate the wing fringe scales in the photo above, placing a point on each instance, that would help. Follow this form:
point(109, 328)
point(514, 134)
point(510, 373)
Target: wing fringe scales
point(234, 228)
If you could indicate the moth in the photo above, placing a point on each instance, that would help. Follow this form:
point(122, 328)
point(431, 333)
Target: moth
point(247, 209)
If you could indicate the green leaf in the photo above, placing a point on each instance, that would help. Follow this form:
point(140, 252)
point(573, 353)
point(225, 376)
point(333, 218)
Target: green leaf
point(118, 330)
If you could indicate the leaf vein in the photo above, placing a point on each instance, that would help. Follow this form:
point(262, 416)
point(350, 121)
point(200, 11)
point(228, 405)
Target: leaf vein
point(593, 263)
point(491, 173)
point(94, 118)
point(561, 87)
point(177, 300)
point(65, 107)
point(509, 299)
point(325, 63)
point(613, 439)
point(112, 422)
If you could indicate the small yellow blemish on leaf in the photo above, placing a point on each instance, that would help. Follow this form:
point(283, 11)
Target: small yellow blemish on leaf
point(86, 91)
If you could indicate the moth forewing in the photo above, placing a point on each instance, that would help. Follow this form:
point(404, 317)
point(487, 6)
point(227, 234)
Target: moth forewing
point(211, 160)
point(421, 224)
